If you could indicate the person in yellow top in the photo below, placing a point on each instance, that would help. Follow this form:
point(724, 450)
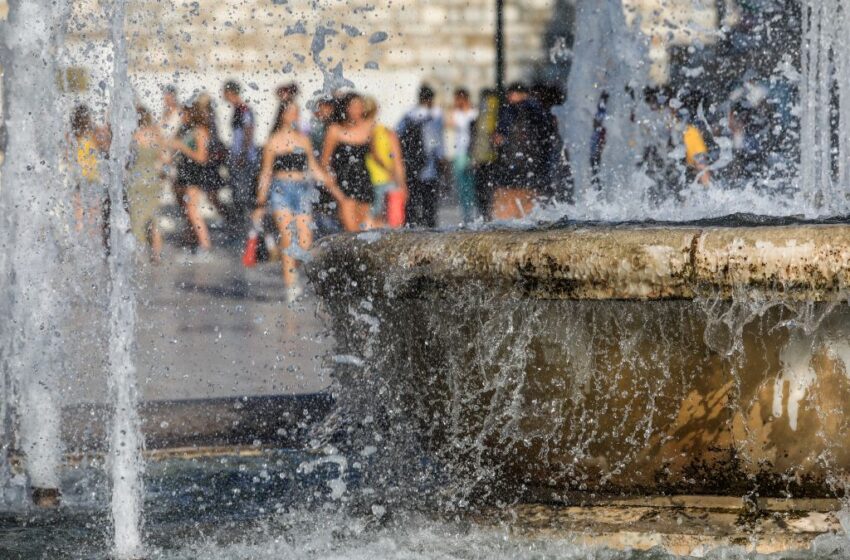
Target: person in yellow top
point(386, 170)
point(679, 155)
point(696, 153)
point(87, 146)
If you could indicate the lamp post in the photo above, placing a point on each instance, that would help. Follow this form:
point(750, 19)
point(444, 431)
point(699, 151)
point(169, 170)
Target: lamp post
point(500, 47)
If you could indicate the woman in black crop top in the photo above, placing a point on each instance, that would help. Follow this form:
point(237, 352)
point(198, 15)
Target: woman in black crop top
point(344, 156)
point(287, 158)
point(192, 156)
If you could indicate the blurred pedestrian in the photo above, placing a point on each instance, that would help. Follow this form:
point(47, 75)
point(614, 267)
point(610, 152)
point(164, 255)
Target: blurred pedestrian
point(243, 160)
point(284, 186)
point(697, 156)
point(523, 148)
point(320, 121)
point(324, 211)
point(421, 135)
point(86, 154)
point(679, 155)
point(287, 93)
point(344, 154)
point(170, 123)
point(145, 185)
point(214, 176)
point(171, 120)
point(462, 117)
point(558, 184)
point(386, 171)
point(483, 153)
point(192, 154)
point(599, 137)
point(749, 158)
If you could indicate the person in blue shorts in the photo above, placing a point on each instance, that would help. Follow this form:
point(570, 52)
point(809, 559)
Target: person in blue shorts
point(285, 188)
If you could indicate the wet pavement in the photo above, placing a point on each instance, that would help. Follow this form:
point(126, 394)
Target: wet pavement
point(210, 328)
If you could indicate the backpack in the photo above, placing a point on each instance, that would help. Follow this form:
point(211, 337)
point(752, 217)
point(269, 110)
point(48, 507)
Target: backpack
point(412, 141)
point(529, 144)
point(529, 131)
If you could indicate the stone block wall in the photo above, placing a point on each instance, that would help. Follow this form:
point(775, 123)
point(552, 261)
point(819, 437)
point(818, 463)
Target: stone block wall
point(446, 42)
point(385, 47)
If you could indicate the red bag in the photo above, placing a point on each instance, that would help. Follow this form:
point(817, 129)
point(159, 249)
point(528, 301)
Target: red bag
point(249, 256)
point(396, 203)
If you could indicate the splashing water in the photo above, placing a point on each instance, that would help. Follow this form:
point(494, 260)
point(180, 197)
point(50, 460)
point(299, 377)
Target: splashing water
point(825, 167)
point(125, 440)
point(36, 204)
point(592, 339)
point(815, 187)
point(615, 67)
point(34, 201)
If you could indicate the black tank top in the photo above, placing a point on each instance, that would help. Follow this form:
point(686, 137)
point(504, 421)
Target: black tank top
point(292, 161)
point(349, 166)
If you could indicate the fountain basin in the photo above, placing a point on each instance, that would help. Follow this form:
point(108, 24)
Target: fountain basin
point(625, 360)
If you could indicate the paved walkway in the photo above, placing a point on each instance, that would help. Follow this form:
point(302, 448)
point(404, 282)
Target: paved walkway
point(204, 330)
point(208, 330)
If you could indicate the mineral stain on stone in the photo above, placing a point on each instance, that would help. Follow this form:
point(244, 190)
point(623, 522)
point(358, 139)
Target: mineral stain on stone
point(378, 37)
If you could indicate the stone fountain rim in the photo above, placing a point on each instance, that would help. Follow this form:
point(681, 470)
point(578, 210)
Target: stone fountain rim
point(593, 261)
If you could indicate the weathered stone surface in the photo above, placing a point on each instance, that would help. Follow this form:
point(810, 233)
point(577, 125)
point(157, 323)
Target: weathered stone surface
point(691, 528)
point(809, 263)
point(800, 262)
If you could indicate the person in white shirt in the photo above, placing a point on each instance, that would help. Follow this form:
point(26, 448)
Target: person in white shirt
point(462, 118)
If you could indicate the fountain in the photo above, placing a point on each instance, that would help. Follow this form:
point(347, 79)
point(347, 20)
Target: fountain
point(581, 379)
point(38, 238)
point(125, 438)
point(589, 362)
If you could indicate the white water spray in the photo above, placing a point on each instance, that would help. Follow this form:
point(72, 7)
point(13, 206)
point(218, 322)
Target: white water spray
point(609, 57)
point(126, 439)
point(824, 173)
point(33, 197)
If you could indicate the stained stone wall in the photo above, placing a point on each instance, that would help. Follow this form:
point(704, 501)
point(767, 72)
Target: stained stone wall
point(385, 47)
point(448, 42)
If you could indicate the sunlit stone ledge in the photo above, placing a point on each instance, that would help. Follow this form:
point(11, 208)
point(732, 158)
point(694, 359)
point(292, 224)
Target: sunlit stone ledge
point(801, 262)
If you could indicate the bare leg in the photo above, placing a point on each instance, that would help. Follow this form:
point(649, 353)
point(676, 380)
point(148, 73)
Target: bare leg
point(348, 217)
point(196, 220)
point(219, 206)
point(156, 242)
point(283, 219)
point(79, 214)
point(304, 231)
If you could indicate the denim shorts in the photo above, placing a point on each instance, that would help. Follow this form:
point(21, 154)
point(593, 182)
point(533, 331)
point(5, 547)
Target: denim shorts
point(294, 196)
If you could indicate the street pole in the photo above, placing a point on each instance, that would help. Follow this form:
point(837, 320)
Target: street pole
point(500, 47)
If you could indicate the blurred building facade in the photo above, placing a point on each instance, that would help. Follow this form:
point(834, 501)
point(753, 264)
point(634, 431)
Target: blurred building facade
point(385, 47)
